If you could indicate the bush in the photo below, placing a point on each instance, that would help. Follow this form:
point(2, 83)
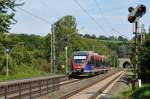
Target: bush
point(142, 93)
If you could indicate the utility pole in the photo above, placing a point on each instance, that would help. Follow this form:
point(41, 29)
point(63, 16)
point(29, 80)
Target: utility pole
point(7, 69)
point(136, 50)
point(8, 50)
point(52, 49)
point(142, 34)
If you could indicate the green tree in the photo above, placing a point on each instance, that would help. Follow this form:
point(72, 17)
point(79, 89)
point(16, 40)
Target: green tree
point(113, 59)
point(144, 59)
point(120, 38)
point(93, 36)
point(7, 13)
point(87, 36)
point(102, 37)
point(123, 51)
point(62, 28)
point(112, 38)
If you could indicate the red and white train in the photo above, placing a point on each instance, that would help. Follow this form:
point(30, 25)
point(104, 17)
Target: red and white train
point(87, 63)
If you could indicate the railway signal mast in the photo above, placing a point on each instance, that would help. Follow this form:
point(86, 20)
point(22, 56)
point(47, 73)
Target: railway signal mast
point(66, 53)
point(8, 51)
point(133, 17)
point(53, 51)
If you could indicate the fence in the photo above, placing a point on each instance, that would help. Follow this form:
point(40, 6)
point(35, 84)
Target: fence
point(29, 88)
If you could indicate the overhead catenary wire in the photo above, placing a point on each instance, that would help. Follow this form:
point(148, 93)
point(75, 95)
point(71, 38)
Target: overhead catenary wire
point(107, 20)
point(67, 36)
point(94, 20)
point(90, 16)
point(48, 22)
point(35, 16)
point(101, 13)
point(45, 5)
point(41, 19)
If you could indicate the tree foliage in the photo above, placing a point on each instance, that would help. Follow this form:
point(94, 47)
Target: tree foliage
point(144, 59)
point(102, 37)
point(63, 28)
point(7, 13)
point(120, 38)
point(27, 50)
point(34, 50)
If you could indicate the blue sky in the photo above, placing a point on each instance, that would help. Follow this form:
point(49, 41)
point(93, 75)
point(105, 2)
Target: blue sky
point(111, 15)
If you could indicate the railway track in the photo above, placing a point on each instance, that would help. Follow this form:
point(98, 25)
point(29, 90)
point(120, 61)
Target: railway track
point(71, 89)
point(34, 88)
point(68, 81)
point(97, 90)
point(103, 92)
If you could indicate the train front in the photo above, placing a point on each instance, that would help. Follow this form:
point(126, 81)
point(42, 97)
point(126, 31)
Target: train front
point(79, 61)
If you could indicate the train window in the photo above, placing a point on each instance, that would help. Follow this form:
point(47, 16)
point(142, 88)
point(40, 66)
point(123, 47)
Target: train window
point(98, 62)
point(92, 60)
point(101, 63)
point(89, 62)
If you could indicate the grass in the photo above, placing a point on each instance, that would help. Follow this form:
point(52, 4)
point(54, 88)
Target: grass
point(126, 94)
point(140, 93)
point(23, 72)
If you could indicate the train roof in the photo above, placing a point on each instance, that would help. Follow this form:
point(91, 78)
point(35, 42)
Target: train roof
point(88, 52)
point(83, 52)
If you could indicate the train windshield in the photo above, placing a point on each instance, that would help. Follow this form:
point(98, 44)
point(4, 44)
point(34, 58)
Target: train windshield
point(80, 59)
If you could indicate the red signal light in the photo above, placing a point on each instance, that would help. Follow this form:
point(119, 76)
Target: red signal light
point(142, 9)
point(131, 19)
point(136, 13)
